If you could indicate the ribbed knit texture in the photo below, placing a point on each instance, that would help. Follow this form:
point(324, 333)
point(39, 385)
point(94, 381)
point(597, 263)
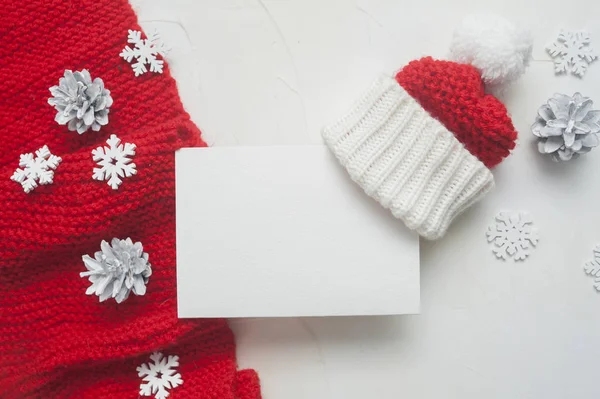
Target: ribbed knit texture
point(55, 341)
point(454, 94)
point(407, 160)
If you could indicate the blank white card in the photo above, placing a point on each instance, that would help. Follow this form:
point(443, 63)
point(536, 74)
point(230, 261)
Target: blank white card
point(283, 231)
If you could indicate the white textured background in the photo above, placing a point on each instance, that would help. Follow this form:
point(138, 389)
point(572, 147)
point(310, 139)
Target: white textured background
point(263, 72)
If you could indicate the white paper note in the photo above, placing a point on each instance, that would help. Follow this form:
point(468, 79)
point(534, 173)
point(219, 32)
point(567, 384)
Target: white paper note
point(283, 231)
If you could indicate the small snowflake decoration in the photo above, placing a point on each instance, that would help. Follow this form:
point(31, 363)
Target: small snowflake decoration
point(592, 268)
point(572, 52)
point(114, 161)
point(159, 376)
point(512, 235)
point(36, 170)
point(144, 52)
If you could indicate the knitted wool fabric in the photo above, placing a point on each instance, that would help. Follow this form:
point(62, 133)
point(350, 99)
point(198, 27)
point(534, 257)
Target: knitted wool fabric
point(55, 341)
point(417, 166)
point(454, 94)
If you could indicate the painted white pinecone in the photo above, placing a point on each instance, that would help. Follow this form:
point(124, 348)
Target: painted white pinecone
point(118, 269)
point(567, 127)
point(79, 102)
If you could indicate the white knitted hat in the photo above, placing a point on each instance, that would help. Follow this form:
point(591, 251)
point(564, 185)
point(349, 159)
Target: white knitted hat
point(407, 160)
point(421, 144)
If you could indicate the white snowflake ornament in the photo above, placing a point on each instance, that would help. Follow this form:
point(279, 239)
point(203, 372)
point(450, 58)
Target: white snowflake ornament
point(38, 170)
point(592, 268)
point(114, 161)
point(512, 235)
point(144, 52)
point(159, 376)
point(572, 52)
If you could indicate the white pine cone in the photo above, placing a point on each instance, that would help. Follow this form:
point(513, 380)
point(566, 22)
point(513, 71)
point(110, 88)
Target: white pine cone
point(79, 102)
point(567, 127)
point(118, 269)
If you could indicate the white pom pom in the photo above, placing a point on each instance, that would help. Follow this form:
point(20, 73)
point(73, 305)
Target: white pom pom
point(496, 47)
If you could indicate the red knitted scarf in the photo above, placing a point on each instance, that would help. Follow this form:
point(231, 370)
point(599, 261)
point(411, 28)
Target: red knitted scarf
point(55, 341)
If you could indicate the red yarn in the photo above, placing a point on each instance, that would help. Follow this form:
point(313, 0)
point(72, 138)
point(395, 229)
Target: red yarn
point(454, 94)
point(56, 341)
